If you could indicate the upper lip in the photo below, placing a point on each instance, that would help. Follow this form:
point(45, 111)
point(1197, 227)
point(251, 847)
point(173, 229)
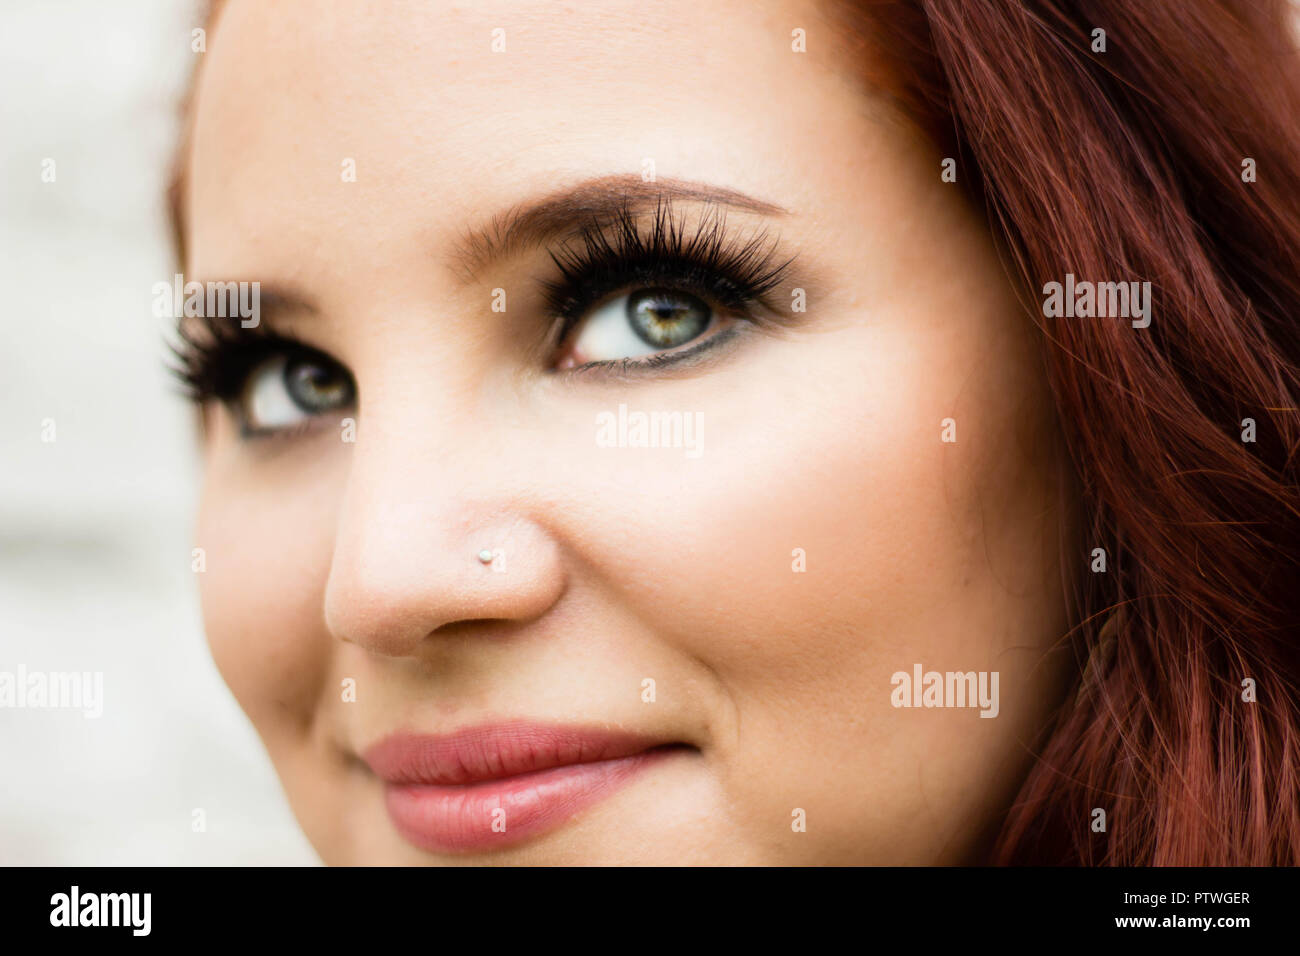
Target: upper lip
point(495, 752)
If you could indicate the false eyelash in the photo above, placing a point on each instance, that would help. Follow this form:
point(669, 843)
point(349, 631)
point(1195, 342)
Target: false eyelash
point(214, 356)
point(623, 252)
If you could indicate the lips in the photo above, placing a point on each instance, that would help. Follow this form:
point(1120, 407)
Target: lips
point(496, 786)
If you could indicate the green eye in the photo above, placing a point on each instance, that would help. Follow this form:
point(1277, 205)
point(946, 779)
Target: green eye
point(286, 390)
point(316, 388)
point(641, 323)
point(665, 318)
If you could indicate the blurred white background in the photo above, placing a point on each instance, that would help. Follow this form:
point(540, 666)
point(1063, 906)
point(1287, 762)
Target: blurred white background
point(95, 525)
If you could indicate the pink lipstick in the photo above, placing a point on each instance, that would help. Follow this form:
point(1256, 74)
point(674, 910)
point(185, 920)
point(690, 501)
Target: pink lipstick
point(494, 786)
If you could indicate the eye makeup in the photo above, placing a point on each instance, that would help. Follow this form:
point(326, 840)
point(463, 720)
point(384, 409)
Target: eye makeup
point(214, 356)
point(679, 276)
point(706, 259)
point(272, 383)
point(672, 267)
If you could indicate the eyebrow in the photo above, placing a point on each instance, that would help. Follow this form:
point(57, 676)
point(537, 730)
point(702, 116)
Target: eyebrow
point(568, 211)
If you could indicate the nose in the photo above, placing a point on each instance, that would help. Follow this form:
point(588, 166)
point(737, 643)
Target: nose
point(421, 550)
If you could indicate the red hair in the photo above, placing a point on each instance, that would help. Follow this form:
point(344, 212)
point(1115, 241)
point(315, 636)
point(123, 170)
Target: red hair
point(1130, 164)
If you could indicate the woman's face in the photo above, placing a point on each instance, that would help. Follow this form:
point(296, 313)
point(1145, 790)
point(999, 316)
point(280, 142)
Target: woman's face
point(680, 654)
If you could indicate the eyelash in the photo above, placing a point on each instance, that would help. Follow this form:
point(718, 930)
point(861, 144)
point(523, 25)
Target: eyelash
point(214, 360)
point(618, 254)
point(621, 255)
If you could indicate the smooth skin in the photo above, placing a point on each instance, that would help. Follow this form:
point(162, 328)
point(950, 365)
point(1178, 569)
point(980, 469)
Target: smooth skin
point(330, 560)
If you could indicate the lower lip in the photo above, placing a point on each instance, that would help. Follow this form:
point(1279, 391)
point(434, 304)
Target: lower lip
point(500, 813)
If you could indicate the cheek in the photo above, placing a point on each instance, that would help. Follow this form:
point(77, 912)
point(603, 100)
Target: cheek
point(825, 498)
point(266, 529)
point(826, 538)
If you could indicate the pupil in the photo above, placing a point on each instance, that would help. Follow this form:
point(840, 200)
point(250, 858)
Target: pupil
point(665, 318)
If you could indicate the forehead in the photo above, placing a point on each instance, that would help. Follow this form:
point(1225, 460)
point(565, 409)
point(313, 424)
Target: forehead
point(445, 110)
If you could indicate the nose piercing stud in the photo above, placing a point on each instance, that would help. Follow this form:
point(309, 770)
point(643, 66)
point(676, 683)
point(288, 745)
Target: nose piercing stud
point(485, 556)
